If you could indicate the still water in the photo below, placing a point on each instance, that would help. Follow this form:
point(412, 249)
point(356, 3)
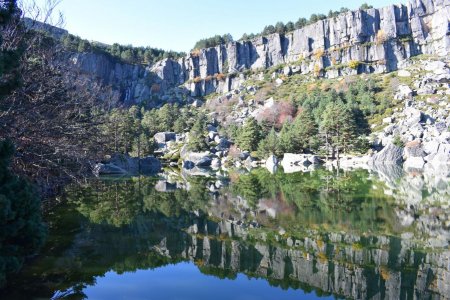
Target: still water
point(249, 235)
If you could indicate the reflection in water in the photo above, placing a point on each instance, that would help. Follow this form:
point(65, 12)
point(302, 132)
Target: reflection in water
point(350, 235)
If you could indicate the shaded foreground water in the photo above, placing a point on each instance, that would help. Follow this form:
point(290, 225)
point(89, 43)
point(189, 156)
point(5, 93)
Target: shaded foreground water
point(246, 236)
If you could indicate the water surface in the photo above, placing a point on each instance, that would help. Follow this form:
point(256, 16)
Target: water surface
point(246, 236)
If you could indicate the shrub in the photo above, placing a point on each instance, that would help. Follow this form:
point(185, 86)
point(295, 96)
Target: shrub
point(381, 37)
point(397, 141)
point(354, 64)
point(156, 88)
point(220, 76)
point(319, 53)
point(278, 114)
point(317, 70)
point(195, 53)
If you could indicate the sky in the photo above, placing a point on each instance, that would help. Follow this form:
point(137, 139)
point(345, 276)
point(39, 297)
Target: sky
point(178, 24)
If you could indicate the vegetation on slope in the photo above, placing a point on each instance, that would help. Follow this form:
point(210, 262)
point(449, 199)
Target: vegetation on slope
point(125, 53)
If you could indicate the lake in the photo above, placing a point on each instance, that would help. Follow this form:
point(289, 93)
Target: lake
point(246, 235)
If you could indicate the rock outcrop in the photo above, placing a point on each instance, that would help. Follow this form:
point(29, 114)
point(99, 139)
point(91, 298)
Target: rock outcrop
point(121, 164)
point(361, 41)
point(380, 39)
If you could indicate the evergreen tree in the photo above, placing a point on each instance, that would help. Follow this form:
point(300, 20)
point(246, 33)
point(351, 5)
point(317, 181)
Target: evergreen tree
point(197, 135)
point(166, 117)
point(143, 145)
point(290, 26)
point(286, 140)
point(305, 132)
point(280, 28)
point(127, 56)
point(250, 135)
point(83, 46)
point(269, 145)
point(9, 58)
point(338, 128)
point(301, 22)
point(366, 6)
point(269, 30)
point(22, 231)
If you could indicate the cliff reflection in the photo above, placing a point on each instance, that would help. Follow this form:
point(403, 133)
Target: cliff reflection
point(342, 235)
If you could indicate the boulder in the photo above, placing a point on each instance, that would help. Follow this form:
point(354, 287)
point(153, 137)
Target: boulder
point(248, 162)
point(426, 90)
point(404, 92)
point(389, 155)
point(434, 65)
point(287, 71)
point(204, 162)
point(416, 130)
point(387, 120)
point(414, 163)
point(414, 149)
point(164, 137)
point(211, 128)
point(404, 73)
point(296, 69)
point(196, 159)
point(149, 165)
point(431, 147)
point(164, 186)
point(134, 165)
point(272, 164)
point(197, 103)
point(212, 135)
point(413, 116)
point(290, 159)
point(244, 155)
point(314, 159)
point(121, 164)
point(216, 163)
point(108, 169)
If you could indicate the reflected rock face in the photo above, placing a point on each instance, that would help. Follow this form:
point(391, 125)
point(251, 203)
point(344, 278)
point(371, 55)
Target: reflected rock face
point(357, 235)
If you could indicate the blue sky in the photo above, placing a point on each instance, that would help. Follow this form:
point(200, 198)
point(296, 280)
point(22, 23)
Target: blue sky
point(178, 24)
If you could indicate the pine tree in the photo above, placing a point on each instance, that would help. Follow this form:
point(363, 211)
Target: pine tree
point(197, 135)
point(166, 117)
point(286, 140)
point(338, 128)
point(269, 145)
point(250, 135)
point(305, 132)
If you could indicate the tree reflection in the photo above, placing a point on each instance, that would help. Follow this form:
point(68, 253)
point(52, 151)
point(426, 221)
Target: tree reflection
point(341, 235)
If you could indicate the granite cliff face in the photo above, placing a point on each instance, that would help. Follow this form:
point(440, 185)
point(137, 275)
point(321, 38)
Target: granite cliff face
point(361, 41)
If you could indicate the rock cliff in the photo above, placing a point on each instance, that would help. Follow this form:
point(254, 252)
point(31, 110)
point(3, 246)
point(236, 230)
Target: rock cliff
point(361, 41)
